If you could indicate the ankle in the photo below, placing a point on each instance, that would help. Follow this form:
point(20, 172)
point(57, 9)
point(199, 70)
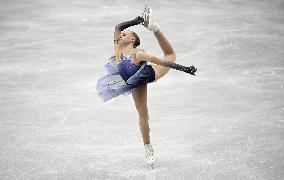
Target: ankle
point(147, 144)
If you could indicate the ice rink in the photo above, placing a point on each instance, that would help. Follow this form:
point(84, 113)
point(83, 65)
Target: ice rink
point(227, 122)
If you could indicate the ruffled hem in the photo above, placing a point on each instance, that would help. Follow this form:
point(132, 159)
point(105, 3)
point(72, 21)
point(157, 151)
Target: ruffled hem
point(112, 85)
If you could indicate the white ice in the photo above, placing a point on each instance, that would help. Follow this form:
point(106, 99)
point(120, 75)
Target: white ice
point(227, 122)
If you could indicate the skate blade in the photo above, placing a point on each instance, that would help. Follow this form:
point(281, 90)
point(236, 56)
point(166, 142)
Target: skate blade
point(151, 163)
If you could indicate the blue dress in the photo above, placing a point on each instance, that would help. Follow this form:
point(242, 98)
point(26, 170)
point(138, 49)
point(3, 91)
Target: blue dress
point(123, 78)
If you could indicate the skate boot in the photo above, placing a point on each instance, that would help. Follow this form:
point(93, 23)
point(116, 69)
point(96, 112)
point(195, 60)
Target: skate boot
point(149, 22)
point(149, 152)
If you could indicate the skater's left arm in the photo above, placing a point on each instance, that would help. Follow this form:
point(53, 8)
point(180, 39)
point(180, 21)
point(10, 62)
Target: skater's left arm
point(164, 61)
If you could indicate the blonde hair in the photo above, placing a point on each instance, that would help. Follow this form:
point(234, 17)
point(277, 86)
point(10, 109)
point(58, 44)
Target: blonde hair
point(118, 53)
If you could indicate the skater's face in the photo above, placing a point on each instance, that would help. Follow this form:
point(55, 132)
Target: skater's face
point(126, 37)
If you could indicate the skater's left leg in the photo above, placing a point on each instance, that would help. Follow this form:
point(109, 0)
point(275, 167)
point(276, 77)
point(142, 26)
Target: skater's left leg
point(169, 55)
point(140, 100)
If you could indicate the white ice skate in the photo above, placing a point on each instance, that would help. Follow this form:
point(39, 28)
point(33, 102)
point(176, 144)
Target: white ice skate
point(148, 19)
point(149, 152)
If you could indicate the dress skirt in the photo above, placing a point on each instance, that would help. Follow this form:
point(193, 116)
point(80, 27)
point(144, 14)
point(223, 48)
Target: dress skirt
point(112, 85)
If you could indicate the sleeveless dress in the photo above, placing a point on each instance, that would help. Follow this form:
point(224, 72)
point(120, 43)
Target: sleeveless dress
point(124, 78)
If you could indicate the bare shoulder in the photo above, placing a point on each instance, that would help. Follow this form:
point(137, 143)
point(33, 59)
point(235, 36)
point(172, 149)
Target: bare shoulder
point(136, 52)
point(143, 56)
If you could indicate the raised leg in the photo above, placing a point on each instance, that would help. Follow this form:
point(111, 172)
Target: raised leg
point(169, 54)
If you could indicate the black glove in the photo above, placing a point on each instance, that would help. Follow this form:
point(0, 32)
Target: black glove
point(127, 24)
point(190, 70)
point(139, 19)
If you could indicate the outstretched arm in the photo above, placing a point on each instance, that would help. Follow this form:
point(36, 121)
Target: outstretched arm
point(165, 61)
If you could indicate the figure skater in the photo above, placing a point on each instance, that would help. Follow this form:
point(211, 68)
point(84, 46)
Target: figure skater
point(129, 73)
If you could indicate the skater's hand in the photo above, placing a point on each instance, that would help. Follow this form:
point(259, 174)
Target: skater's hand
point(148, 19)
point(191, 70)
point(139, 19)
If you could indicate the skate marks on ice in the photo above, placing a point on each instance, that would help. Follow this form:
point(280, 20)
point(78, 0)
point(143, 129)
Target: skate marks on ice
point(52, 126)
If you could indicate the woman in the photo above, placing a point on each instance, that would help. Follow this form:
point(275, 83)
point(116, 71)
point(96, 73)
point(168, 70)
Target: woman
point(128, 71)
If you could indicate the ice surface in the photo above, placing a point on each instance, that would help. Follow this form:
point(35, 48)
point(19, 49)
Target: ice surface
point(227, 122)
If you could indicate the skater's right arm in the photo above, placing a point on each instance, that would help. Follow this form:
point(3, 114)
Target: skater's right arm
point(120, 27)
